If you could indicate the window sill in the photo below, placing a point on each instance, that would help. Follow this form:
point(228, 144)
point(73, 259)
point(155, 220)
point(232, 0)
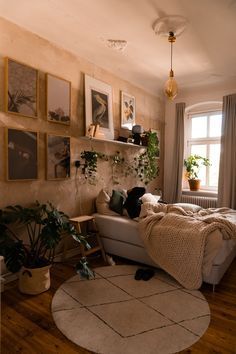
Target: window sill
point(201, 192)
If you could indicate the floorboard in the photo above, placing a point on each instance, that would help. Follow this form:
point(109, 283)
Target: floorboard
point(27, 325)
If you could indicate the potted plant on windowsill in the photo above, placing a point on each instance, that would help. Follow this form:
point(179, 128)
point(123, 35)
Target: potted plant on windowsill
point(192, 165)
point(44, 226)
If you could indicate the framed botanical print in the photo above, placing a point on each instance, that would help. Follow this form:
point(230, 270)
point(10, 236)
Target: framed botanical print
point(58, 99)
point(127, 110)
point(22, 154)
point(21, 89)
point(98, 107)
point(58, 157)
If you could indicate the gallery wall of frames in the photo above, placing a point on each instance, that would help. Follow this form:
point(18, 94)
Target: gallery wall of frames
point(22, 146)
point(45, 100)
point(22, 99)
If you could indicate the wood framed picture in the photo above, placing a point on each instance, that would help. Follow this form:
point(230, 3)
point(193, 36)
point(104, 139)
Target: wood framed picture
point(22, 154)
point(58, 99)
point(98, 107)
point(21, 89)
point(58, 157)
point(127, 110)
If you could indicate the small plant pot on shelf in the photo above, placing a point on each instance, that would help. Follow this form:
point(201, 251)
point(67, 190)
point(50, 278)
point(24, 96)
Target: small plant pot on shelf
point(194, 184)
point(34, 281)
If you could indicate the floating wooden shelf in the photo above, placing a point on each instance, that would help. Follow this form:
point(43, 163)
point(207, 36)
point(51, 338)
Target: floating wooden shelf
point(113, 142)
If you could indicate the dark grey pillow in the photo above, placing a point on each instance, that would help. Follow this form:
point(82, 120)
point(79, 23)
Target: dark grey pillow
point(133, 203)
point(117, 202)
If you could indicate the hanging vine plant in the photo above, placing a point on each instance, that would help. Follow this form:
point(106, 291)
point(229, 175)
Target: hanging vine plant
point(117, 165)
point(145, 166)
point(90, 165)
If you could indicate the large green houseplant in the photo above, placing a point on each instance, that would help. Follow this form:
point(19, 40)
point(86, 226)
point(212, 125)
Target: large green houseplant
point(192, 165)
point(44, 226)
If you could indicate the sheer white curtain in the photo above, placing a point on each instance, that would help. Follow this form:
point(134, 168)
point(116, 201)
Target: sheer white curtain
point(175, 186)
point(227, 174)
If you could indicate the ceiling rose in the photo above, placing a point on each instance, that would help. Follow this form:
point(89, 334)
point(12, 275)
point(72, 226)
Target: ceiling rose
point(173, 23)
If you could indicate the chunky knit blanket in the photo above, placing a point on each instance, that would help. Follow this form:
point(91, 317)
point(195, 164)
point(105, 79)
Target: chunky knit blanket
point(175, 238)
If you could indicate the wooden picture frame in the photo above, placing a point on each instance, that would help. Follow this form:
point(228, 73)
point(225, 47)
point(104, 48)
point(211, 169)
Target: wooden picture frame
point(21, 154)
point(58, 99)
point(127, 110)
point(21, 89)
point(99, 107)
point(58, 157)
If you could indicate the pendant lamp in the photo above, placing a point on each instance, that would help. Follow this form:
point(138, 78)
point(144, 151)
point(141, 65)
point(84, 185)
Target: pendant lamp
point(171, 87)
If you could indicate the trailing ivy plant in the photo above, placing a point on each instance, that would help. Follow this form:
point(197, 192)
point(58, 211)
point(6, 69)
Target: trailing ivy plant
point(117, 164)
point(90, 164)
point(145, 164)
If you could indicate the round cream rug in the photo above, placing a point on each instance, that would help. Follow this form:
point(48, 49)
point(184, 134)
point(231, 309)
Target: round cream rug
point(116, 314)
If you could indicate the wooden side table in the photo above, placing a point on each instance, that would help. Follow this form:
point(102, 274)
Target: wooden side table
point(88, 219)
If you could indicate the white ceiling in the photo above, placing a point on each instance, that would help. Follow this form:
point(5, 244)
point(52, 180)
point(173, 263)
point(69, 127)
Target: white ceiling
point(204, 54)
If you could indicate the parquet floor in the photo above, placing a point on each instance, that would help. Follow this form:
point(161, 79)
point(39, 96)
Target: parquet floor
point(27, 325)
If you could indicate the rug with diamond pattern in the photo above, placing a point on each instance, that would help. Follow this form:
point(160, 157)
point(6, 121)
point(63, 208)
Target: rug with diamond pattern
point(116, 314)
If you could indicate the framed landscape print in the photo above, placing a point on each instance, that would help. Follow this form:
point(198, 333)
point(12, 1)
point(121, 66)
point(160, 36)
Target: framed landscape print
point(127, 110)
point(22, 154)
point(58, 157)
point(98, 107)
point(58, 99)
point(21, 89)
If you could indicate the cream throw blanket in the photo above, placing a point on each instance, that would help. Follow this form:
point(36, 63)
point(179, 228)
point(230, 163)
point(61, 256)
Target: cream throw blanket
point(175, 238)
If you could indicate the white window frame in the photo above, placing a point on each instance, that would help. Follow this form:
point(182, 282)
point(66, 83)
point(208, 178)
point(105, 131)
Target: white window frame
point(201, 141)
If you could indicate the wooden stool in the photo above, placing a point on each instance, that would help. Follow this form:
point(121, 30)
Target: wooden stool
point(77, 221)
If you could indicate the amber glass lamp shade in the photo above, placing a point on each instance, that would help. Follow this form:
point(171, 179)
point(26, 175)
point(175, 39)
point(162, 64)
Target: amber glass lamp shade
point(171, 87)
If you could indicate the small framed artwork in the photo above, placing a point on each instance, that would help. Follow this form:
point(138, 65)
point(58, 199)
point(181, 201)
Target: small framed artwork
point(58, 99)
point(127, 110)
point(21, 89)
point(58, 157)
point(98, 107)
point(22, 154)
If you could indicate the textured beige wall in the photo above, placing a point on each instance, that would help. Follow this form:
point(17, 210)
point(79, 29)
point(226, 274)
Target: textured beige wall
point(73, 196)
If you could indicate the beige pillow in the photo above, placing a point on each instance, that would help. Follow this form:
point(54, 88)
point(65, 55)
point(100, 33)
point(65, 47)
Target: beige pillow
point(102, 204)
point(189, 207)
point(149, 198)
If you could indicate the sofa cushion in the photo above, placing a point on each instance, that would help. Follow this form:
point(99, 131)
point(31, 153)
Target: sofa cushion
point(117, 201)
point(149, 198)
point(102, 204)
point(133, 203)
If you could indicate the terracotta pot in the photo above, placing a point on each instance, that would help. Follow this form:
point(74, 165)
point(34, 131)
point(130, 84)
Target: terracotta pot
point(34, 281)
point(194, 184)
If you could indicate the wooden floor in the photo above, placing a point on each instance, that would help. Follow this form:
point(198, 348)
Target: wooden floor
point(27, 325)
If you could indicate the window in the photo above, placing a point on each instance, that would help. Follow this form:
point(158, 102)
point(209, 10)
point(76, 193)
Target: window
point(203, 138)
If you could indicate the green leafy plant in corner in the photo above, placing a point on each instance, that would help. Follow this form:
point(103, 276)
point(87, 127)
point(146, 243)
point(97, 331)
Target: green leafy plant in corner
point(193, 164)
point(44, 225)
